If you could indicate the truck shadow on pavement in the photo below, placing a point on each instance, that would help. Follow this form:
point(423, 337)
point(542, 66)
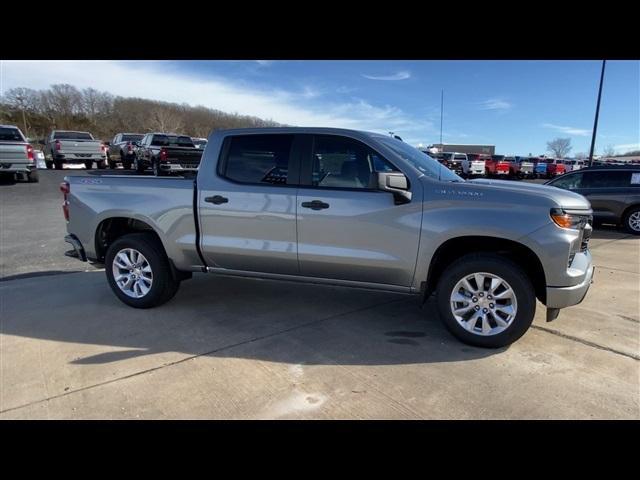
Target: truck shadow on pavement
point(237, 318)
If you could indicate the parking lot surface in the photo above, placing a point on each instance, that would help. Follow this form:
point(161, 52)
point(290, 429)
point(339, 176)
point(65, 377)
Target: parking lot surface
point(245, 348)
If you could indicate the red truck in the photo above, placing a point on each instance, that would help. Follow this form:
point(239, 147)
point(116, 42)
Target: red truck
point(552, 167)
point(497, 165)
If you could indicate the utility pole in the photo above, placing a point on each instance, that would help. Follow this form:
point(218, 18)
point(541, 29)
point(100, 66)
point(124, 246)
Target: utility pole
point(441, 112)
point(595, 123)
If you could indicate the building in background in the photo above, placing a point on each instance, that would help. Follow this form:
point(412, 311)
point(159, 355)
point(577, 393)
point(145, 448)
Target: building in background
point(462, 148)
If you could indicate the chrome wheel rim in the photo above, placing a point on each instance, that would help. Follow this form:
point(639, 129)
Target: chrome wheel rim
point(634, 221)
point(132, 273)
point(483, 304)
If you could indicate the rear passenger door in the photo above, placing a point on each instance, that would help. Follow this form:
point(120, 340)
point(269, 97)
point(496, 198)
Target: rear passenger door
point(347, 228)
point(247, 207)
point(607, 191)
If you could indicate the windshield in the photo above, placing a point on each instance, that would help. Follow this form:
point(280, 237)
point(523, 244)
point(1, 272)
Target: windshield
point(8, 134)
point(420, 160)
point(72, 136)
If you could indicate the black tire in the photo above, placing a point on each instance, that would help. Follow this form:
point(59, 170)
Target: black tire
point(88, 165)
point(157, 171)
point(101, 165)
point(627, 220)
point(58, 164)
point(165, 283)
point(507, 270)
point(139, 166)
point(49, 164)
point(33, 176)
point(112, 164)
point(126, 164)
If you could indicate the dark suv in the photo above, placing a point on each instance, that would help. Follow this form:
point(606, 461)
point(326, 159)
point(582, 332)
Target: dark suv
point(614, 193)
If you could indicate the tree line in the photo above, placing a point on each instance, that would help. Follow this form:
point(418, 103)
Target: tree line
point(65, 107)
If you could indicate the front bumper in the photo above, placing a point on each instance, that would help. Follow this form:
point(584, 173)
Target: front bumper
point(562, 297)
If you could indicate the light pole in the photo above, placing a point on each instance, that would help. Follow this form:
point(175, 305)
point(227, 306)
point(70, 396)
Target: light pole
point(441, 114)
point(595, 123)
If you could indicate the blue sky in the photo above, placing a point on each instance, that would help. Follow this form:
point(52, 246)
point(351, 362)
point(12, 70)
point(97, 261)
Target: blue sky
point(516, 105)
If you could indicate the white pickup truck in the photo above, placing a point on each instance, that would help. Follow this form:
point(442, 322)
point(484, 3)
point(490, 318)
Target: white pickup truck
point(16, 155)
point(65, 146)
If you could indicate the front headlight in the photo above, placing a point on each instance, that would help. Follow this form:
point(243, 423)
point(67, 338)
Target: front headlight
point(565, 219)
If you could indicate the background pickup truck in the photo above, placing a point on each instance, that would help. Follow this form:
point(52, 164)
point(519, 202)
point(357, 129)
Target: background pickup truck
point(165, 153)
point(16, 155)
point(65, 146)
point(498, 166)
point(345, 208)
point(122, 149)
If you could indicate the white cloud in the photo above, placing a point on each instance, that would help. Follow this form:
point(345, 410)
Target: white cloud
point(568, 130)
point(403, 75)
point(626, 147)
point(495, 104)
point(264, 63)
point(162, 81)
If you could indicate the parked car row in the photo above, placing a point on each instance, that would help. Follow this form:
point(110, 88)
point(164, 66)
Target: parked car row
point(470, 165)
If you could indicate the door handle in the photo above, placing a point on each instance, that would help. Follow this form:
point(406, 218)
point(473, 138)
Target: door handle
point(315, 205)
point(217, 199)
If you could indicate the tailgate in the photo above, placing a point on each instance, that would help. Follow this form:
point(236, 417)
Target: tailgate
point(184, 156)
point(80, 146)
point(13, 153)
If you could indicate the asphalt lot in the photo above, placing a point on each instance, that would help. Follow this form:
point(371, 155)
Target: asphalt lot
point(231, 348)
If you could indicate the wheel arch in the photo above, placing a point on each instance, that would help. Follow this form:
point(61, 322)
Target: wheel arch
point(456, 247)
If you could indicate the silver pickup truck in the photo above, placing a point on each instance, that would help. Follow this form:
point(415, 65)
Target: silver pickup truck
point(17, 156)
point(340, 207)
point(66, 146)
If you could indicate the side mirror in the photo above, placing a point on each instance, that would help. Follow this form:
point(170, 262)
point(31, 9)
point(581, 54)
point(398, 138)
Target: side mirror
point(396, 183)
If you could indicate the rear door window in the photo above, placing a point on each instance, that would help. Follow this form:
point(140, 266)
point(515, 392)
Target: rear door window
point(607, 179)
point(257, 159)
point(569, 182)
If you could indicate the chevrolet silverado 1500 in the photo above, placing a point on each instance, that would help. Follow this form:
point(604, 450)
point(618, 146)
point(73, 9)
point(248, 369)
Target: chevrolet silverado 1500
point(17, 156)
point(340, 207)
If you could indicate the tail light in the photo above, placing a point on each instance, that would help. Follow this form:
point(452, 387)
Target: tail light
point(103, 147)
point(65, 188)
point(58, 146)
point(163, 154)
point(30, 153)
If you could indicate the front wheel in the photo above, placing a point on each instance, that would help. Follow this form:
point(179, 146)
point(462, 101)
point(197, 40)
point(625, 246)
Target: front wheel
point(486, 300)
point(138, 271)
point(632, 221)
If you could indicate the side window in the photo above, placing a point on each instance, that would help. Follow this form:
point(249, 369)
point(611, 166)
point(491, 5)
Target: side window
point(610, 179)
point(258, 159)
point(569, 182)
point(340, 162)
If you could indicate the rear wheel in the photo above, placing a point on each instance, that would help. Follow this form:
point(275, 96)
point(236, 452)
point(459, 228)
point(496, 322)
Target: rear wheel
point(88, 165)
point(139, 272)
point(126, 164)
point(48, 164)
point(632, 221)
point(33, 176)
point(101, 165)
point(157, 171)
point(58, 164)
point(112, 163)
point(138, 166)
point(486, 300)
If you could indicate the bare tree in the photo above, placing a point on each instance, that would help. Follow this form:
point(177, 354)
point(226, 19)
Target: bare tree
point(560, 147)
point(582, 156)
point(22, 99)
point(608, 151)
point(164, 120)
